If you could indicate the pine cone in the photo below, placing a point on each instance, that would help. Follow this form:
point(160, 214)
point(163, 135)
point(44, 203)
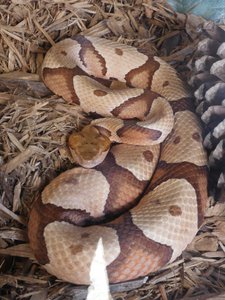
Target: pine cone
point(208, 81)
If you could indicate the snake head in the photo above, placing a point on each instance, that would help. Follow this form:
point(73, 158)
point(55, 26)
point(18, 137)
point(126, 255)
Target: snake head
point(88, 147)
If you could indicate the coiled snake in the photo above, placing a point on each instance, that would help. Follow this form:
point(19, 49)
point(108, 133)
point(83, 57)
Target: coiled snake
point(142, 186)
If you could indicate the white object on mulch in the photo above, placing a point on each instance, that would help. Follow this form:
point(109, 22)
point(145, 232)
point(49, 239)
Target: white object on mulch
point(99, 288)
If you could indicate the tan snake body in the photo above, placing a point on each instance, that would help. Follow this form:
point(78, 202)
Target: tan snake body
point(148, 113)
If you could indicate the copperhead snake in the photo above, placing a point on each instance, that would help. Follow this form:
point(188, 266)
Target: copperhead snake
point(142, 183)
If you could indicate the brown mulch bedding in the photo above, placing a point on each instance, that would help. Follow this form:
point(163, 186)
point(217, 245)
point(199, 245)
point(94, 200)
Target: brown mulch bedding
point(34, 125)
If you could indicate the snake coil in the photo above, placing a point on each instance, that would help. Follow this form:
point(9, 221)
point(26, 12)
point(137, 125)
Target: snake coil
point(143, 165)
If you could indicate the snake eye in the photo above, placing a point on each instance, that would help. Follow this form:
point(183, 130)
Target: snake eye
point(88, 147)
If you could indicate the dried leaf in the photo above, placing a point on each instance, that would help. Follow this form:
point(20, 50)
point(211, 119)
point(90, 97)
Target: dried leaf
point(21, 250)
point(20, 159)
point(13, 233)
point(16, 197)
point(11, 214)
point(219, 230)
point(216, 210)
point(204, 242)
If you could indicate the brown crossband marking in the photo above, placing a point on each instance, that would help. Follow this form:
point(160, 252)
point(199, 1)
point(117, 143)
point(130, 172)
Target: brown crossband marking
point(128, 265)
point(196, 136)
point(131, 131)
point(135, 77)
point(60, 81)
point(90, 56)
point(119, 51)
point(175, 210)
point(36, 225)
point(136, 107)
point(120, 197)
point(148, 155)
point(41, 215)
point(100, 93)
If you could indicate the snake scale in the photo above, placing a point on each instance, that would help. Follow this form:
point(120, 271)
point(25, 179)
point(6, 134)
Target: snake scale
point(142, 181)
